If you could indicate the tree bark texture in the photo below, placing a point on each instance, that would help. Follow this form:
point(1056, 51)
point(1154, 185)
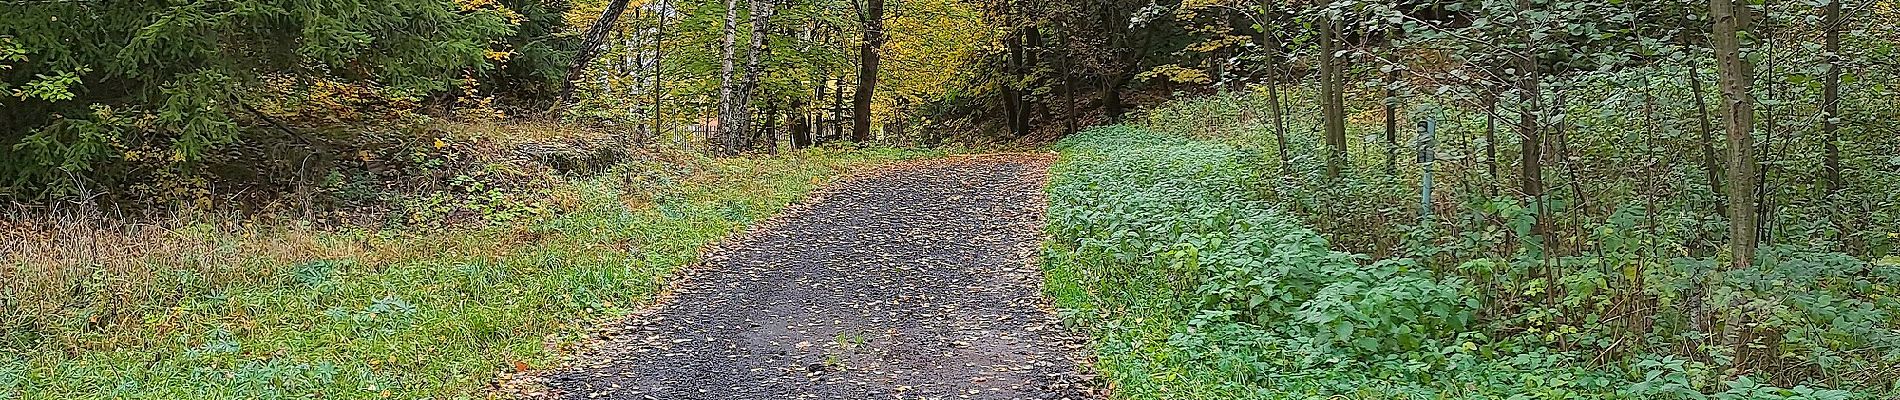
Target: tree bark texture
point(1738, 119)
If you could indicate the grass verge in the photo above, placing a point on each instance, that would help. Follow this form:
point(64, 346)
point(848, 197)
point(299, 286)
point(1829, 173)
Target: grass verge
point(234, 309)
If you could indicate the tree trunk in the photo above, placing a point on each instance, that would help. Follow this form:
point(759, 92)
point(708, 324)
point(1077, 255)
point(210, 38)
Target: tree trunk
point(1491, 141)
point(1032, 56)
point(1013, 105)
point(1709, 159)
point(768, 132)
point(1274, 111)
point(1530, 95)
point(1738, 119)
point(1765, 156)
point(1119, 69)
point(1012, 53)
point(801, 126)
point(817, 112)
point(730, 118)
point(754, 66)
point(636, 63)
point(591, 42)
point(867, 70)
point(1562, 149)
point(1831, 22)
point(1011, 110)
point(1331, 108)
point(1391, 123)
point(837, 110)
point(1068, 88)
point(1271, 41)
point(659, 59)
point(1391, 104)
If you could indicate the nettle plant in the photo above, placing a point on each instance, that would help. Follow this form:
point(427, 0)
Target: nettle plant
point(1160, 227)
point(1188, 210)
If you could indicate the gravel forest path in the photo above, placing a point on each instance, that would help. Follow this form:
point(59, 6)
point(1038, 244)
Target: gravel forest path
point(916, 281)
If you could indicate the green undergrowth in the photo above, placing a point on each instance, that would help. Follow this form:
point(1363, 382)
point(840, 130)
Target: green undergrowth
point(392, 313)
point(1195, 286)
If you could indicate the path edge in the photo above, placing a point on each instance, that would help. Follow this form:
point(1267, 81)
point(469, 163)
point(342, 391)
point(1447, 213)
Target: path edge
point(531, 383)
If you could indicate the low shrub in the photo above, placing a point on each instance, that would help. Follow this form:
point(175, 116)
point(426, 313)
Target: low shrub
point(1195, 285)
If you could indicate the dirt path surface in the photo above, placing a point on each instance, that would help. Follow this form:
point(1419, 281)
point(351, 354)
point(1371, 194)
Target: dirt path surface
point(915, 282)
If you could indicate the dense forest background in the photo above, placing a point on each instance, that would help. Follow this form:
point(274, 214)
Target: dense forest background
point(1693, 197)
point(228, 104)
point(163, 102)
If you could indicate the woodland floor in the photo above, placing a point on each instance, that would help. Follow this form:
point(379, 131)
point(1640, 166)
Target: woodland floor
point(913, 282)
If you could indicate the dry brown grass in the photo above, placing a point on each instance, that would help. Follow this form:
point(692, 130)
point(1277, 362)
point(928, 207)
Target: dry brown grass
point(85, 277)
point(81, 273)
point(77, 271)
point(78, 280)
